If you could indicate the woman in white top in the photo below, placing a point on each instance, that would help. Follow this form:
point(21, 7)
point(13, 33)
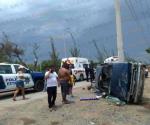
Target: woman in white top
point(52, 82)
point(20, 83)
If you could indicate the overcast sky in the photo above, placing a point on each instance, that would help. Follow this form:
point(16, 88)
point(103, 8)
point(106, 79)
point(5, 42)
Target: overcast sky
point(30, 21)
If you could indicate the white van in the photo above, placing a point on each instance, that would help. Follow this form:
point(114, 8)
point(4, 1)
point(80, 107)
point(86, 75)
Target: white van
point(111, 59)
point(78, 66)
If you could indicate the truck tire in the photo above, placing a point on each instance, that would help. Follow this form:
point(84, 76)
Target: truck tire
point(39, 85)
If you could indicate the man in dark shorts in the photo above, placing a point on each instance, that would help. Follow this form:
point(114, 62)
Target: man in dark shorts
point(64, 77)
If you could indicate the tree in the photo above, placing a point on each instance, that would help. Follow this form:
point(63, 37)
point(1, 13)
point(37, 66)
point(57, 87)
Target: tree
point(45, 64)
point(54, 56)
point(102, 53)
point(148, 50)
point(3, 56)
point(18, 53)
point(10, 50)
point(35, 50)
point(74, 51)
point(100, 56)
point(130, 59)
point(6, 48)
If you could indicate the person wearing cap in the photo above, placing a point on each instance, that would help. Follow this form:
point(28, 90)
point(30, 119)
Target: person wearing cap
point(20, 83)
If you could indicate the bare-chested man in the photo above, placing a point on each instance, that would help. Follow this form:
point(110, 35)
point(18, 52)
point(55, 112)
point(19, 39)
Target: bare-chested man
point(64, 77)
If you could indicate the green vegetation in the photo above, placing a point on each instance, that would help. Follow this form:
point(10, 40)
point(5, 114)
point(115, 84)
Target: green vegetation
point(54, 56)
point(13, 53)
point(148, 50)
point(10, 52)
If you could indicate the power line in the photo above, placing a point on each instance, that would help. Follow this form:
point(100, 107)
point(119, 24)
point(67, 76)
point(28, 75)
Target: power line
point(147, 4)
point(144, 13)
point(133, 14)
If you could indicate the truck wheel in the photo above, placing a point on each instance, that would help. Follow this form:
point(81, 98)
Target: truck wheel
point(81, 77)
point(39, 85)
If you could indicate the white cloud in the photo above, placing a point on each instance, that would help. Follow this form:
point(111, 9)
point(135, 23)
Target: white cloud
point(12, 9)
point(9, 3)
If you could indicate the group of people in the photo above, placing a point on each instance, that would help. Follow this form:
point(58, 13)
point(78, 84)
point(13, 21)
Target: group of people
point(64, 78)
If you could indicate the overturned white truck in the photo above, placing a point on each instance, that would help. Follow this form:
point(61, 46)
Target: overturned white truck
point(122, 80)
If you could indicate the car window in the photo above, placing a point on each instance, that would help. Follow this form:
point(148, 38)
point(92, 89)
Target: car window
point(85, 65)
point(5, 69)
point(25, 70)
point(79, 65)
point(16, 67)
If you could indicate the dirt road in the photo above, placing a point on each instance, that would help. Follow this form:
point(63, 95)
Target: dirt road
point(99, 112)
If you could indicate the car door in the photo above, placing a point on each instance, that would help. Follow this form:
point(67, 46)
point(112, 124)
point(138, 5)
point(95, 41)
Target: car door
point(28, 78)
point(8, 78)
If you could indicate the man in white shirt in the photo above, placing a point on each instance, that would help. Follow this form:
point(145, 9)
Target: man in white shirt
point(52, 82)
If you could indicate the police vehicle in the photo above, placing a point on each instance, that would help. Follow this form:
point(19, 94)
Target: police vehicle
point(8, 77)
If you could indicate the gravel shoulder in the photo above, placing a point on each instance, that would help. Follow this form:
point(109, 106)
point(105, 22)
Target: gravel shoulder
point(98, 112)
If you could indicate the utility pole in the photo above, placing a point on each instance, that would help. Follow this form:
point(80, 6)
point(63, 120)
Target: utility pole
point(119, 31)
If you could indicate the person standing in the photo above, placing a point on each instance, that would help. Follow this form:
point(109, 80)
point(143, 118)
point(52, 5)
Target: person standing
point(87, 73)
point(51, 78)
point(64, 77)
point(71, 84)
point(92, 75)
point(20, 83)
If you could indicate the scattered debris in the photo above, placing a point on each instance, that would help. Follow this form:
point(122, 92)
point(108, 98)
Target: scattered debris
point(115, 100)
point(98, 96)
point(92, 123)
point(85, 99)
point(83, 88)
point(89, 87)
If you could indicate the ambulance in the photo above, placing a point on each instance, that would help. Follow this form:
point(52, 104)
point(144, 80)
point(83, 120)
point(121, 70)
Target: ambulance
point(78, 65)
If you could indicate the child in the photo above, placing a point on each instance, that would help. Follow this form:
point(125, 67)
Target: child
point(71, 83)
